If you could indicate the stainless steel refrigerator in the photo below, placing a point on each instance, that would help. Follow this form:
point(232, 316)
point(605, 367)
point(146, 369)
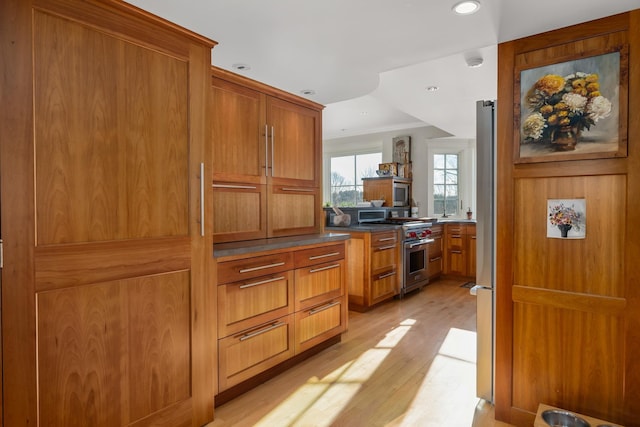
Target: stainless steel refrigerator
point(485, 246)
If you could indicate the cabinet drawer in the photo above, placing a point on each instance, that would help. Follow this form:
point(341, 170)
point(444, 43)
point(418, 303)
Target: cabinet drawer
point(252, 351)
point(319, 255)
point(384, 286)
point(318, 283)
point(384, 257)
point(319, 323)
point(384, 238)
point(242, 305)
point(247, 268)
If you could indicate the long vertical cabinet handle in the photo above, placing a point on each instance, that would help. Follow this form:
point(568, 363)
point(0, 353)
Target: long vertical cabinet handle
point(273, 166)
point(202, 177)
point(266, 150)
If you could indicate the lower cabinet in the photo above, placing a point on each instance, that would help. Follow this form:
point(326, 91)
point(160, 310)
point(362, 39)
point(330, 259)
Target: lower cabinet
point(374, 271)
point(276, 305)
point(436, 258)
point(460, 249)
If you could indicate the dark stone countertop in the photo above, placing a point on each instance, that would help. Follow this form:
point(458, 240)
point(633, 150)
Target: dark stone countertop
point(365, 228)
point(250, 246)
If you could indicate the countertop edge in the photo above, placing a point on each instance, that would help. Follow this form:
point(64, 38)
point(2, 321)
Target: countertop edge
point(221, 250)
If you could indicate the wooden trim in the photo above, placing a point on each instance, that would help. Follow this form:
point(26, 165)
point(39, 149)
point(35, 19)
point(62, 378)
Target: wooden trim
point(232, 77)
point(135, 258)
point(569, 300)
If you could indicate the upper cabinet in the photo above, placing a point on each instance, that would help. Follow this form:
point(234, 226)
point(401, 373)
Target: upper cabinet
point(267, 160)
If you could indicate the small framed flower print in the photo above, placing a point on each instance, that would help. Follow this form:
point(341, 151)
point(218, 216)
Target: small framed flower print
point(572, 110)
point(566, 218)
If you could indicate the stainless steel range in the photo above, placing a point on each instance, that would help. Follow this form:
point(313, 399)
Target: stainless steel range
point(416, 239)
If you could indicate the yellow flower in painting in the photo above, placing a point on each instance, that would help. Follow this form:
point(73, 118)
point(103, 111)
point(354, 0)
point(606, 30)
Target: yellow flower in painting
point(594, 94)
point(578, 83)
point(564, 121)
point(581, 91)
point(546, 109)
point(563, 113)
point(560, 106)
point(550, 84)
point(552, 119)
point(591, 78)
point(592, 87)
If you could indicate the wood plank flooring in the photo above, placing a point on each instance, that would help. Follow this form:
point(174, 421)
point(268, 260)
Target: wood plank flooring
point(406, 363)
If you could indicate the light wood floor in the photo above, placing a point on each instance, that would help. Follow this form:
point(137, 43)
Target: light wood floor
point(409, 363)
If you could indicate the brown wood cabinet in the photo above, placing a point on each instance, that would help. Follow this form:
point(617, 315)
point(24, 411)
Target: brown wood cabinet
point(106, 316)
point(274, 306)
point(460, 252)
point(374, 270)
point(382, 188)
point(267, 158)
point(436, 252)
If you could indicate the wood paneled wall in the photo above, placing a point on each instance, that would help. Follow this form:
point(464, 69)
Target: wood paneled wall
point(568, 323)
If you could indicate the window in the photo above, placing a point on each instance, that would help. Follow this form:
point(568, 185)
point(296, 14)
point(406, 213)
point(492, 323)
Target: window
point(445, 184)
point(346, 176)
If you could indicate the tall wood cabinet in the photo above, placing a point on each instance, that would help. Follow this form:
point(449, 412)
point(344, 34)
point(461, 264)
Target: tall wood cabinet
point(267, 152)
point(105, 318)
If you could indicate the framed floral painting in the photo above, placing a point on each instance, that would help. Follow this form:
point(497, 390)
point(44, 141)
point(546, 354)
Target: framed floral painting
point(572, 110)
point(567, 218)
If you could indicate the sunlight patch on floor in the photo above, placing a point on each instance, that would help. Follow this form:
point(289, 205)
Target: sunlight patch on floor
point(320, 401)
point(447, 395)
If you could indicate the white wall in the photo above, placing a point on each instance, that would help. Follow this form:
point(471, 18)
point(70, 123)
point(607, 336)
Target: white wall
point(423, 146)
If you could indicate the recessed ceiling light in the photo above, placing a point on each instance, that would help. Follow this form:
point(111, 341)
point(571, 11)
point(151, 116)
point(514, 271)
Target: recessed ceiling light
point(431, 88)
point(466, 7)
point(241, 67)
point(364, 113)
point(308, 92)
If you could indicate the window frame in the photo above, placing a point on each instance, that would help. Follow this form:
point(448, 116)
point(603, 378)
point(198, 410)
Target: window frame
point(326, 178)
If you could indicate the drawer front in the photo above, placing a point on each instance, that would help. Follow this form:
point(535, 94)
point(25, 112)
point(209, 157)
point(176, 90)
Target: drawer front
point(248, 353)
point(384, 257)
point(319, 323)
point(242, 305)
point(247, 268)
point(435, 266)
point(319, 255)
point(384, 238)
point(318, 283)
point(384, 286)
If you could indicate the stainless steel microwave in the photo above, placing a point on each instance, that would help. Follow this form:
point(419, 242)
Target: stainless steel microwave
point(401, 194)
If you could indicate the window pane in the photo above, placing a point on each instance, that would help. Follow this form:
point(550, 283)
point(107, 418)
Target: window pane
point(343, 170)
point(366, 165)
point(438, 161)
point(438, 177)
point(452, 161)
point(452, 177)
point(438, 191)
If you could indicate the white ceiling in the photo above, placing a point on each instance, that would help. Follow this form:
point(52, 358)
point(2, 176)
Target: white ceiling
point(369, 61)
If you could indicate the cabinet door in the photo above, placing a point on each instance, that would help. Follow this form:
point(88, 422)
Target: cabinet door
point(435, 257)
point(319, 323)
point(471, 254)
point(105, 305)
point(293, 211)
point(239, 212)
point(239, 137)
point(295, 143)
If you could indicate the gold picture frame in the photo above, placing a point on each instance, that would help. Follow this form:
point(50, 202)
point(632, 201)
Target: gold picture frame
point(572, 108)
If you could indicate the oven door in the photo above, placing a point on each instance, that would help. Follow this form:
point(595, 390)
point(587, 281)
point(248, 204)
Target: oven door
point(416, 263)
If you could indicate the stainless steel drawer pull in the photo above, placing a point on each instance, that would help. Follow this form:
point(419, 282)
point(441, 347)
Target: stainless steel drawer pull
point(261, 331)
point(384, 248)
point(456, 236)
point(324, 256)
point(384, 276)
point(386, 239)
point(266, 150)
point(299, 190)
point(262, 282)
point(435, 259)
point(456, 252)
point(262, 267)
point(240, 187)
point(324, 307)
point(202, 177)
point(329, 267)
